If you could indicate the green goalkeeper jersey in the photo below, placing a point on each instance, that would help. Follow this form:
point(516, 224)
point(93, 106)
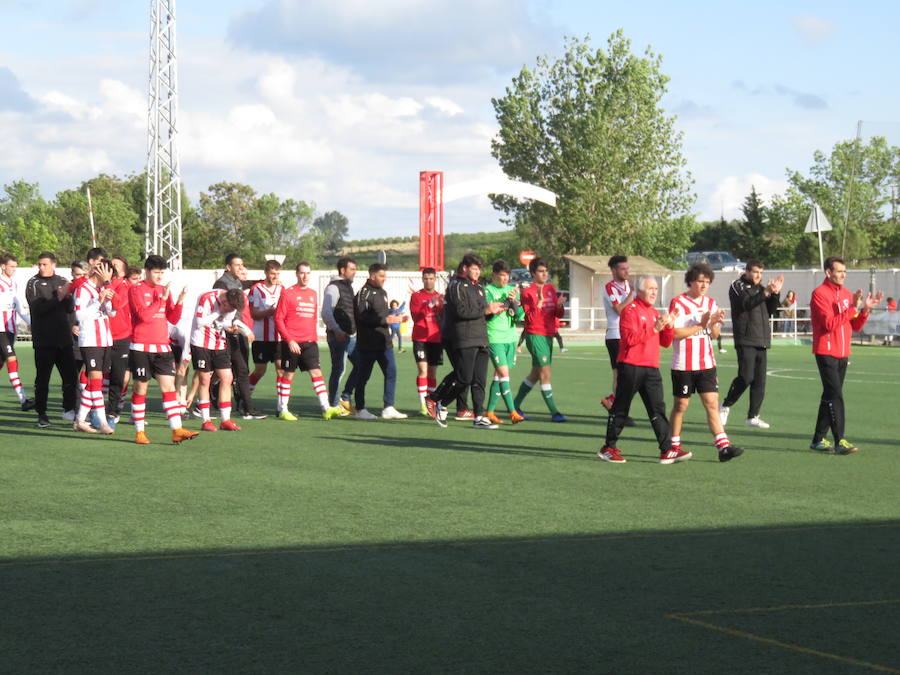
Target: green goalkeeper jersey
point(501, 327)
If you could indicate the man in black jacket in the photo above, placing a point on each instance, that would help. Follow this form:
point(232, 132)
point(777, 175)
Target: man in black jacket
point(48, 298)
point(238, 345)
point(752, 304)
point(464, 329)
point(373, 344)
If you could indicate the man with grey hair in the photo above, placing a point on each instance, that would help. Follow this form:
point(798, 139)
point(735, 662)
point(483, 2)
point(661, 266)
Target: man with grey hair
point(642, 333)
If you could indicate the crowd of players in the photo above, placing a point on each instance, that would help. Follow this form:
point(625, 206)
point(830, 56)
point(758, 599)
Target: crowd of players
point(112, 324)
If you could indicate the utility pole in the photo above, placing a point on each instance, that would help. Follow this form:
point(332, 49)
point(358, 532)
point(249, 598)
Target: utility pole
point(163, 224)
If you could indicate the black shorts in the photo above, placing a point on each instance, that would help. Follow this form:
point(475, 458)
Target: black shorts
point(207, 360)
point(96, 358)
point(177, 351)
point(7, 346)
point(612, 346)
point(144, 365)
point(119, 349)
point(686, 382)
point(265, 351)
point(307, 360)
point(433, 352)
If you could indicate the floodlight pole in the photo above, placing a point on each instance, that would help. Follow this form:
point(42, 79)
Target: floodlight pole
point(162, 235)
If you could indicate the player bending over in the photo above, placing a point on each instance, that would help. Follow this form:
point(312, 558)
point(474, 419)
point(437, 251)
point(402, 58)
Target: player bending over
point(217, 315)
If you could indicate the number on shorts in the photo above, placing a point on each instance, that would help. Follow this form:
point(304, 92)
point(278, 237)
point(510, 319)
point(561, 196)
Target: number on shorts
point(141, 372)
point(93, 363)
point(201, 363)
point(684, 389)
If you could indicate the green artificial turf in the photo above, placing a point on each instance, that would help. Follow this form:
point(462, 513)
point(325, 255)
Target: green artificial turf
point(399, 546)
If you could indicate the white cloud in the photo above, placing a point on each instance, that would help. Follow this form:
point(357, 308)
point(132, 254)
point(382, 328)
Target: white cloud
point(394, 40)
point(731, 191)
point(813, 29)
point(301, 128)
point(77, 163)
point(78, 110)
point(445, 105)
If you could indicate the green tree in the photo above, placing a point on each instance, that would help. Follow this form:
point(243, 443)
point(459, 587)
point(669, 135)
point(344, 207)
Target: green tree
point(718, 235)
point(27, 223)
point(860, 177)
point(752, 228)
point(333, 227)
point(117, 223)
point(590, 127)
point(231, 217)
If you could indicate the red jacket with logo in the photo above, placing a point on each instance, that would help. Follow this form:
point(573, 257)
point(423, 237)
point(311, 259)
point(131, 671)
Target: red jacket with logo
point(640, 344)
point(833, 316)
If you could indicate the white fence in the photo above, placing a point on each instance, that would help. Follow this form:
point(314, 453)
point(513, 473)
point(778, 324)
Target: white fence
point(399, 286)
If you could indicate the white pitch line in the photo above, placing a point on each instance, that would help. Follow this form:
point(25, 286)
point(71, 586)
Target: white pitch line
point(777, 373)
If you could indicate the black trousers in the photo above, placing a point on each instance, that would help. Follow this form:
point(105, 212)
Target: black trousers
point(469, 372)
point(239, 349)
point(751, 373)
point(646, 381)
point(462, 394)
point(45, 359)
point(118, 366)
point(831, 406)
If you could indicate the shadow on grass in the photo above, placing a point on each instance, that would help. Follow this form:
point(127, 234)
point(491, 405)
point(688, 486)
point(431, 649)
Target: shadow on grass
point(557, 604)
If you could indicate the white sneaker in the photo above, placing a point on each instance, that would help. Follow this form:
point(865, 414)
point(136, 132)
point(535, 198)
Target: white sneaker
point(391, 413)
point(723, 351)
point(69, 415)
point(441, 416)
point(758, 423)
point(483, 423)
point(365, 415)
point(723, 414)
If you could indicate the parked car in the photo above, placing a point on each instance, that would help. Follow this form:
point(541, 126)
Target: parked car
point(717, 260)
point(521, 275)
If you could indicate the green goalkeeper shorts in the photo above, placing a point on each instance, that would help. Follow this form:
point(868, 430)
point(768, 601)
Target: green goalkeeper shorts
point(541, 349)
point(503, 354)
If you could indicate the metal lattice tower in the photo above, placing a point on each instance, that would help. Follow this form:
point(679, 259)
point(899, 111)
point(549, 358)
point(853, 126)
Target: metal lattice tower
point(163, 225)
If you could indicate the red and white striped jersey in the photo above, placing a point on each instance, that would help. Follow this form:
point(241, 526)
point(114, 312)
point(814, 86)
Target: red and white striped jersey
point(695, 352)
point(614, 293)
point(208, 327)
point(94, 329)
point(10, 305)
point(262, 297)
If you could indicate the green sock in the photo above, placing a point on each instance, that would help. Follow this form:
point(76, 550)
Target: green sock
point(524, 390)
point(493, 395)
point(506, 393)
point(547, 393)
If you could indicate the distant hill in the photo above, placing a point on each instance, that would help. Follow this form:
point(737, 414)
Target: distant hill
point(403, 252)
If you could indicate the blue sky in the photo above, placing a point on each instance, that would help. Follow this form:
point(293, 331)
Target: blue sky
point(342, 102)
